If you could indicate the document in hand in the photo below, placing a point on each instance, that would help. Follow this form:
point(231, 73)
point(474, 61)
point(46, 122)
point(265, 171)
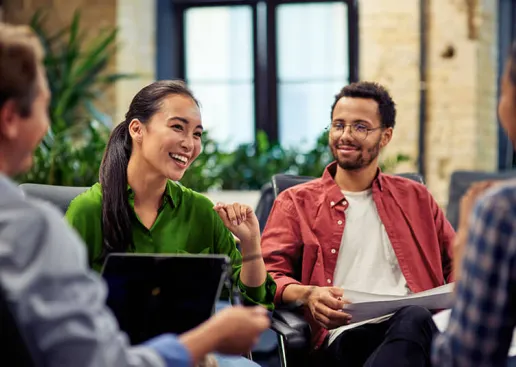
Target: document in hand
point(366, 306)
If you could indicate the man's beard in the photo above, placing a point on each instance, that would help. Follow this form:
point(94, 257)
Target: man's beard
point(363, 159)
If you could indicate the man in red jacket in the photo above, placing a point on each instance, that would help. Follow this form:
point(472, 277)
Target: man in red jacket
point(356, 228)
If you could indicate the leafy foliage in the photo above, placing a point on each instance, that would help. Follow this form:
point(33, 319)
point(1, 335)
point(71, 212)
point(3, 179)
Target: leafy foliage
point(77, 73)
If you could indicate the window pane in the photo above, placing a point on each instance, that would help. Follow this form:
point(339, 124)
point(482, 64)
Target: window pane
point(305, 112)
point(313, 65)
point(312, 41)
point(227, 112)
point(219, 70)
point(218, 43)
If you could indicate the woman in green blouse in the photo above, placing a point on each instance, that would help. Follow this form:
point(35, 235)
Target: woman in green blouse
point(137, 206)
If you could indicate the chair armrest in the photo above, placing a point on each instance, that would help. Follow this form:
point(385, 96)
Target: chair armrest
point(293, 319)
point(293, 327)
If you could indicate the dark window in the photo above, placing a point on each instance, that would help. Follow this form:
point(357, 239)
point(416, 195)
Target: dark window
point(506, 35)
point(271, 65)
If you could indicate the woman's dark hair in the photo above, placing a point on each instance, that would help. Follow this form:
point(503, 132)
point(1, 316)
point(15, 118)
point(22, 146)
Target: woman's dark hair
point(116, 211)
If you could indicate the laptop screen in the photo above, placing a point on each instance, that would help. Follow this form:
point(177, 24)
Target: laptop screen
point(155, 294)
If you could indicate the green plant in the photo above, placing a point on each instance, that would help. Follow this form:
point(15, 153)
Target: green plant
point(77, 72)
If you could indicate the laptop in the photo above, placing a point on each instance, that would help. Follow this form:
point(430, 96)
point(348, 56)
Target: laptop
point(152, 294)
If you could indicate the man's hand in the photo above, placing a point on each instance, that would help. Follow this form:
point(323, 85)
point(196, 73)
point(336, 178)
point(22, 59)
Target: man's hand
point(325, 304)
point(238, 328)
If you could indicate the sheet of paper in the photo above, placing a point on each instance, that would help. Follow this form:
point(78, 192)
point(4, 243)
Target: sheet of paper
point(365, 306)
point(442, 318)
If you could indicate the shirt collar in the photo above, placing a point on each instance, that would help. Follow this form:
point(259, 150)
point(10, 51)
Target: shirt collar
point(170, 194)
point(333, 192)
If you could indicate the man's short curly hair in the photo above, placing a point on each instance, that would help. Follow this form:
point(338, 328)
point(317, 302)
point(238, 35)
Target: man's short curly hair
point(371, 90)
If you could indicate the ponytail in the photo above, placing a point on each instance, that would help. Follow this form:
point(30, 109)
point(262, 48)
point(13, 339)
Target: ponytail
point(116, 212)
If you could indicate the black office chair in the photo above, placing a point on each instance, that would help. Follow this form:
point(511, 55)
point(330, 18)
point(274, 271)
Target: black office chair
point(460, 181)
point(294, 346)
point(412, 176)
point(264, 206)
point(14, 347)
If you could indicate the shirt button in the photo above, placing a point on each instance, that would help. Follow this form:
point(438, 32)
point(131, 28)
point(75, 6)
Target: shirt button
point(339, 222)
point(332, 203)
point(333, 251)
point(329, 281)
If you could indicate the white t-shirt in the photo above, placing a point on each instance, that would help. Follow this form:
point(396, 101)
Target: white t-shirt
point(366, 262)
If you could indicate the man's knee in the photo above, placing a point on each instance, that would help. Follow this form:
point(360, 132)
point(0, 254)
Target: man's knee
point(415, 314)
point(413, 319)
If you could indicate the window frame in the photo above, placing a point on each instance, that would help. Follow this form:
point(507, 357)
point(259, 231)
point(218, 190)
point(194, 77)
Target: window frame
point(170, 43)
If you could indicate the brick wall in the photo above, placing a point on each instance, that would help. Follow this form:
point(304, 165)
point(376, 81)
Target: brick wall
point(136, 38)
point(461, 106)
point(389, 54)
point(95, 16)
point(137, 49)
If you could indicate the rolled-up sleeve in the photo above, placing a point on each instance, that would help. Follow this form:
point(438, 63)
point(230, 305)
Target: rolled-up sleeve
point(261, 295)
point(446, 236)
point(58, 302)
point(281, 245)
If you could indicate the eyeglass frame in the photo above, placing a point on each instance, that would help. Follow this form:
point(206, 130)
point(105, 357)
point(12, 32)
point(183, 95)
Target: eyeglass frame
point(352, 128)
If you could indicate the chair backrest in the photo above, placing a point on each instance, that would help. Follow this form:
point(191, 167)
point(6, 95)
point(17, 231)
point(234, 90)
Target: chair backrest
point(264, 206)
point(460, 181)
point(14, 347)
point(412, 176)
point(281, 181)
point(60, 196)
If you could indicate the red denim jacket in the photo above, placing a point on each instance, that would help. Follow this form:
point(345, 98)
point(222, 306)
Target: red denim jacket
point(302, 237)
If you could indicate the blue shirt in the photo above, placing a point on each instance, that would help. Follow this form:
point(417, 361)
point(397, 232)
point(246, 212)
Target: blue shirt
point(482, 320)
point(57, 301)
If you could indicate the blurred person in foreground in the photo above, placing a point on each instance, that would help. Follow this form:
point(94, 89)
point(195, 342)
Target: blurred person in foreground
point(483, 318)
point(359, 229)
point(56, 301)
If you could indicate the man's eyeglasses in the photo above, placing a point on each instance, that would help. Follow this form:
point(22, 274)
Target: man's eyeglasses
point(358, 131)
